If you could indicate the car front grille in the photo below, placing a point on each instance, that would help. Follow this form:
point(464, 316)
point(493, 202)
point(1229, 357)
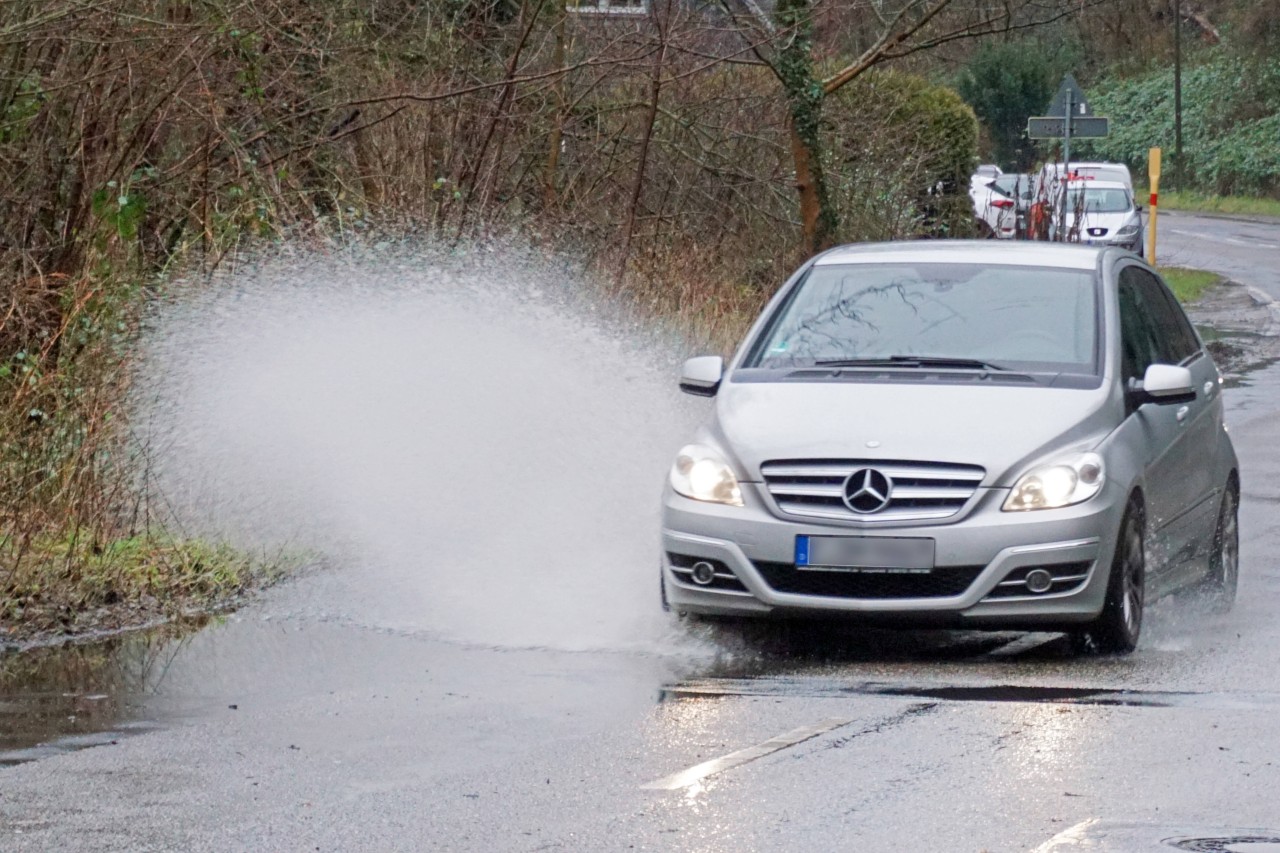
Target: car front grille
point(815, 488)
point(942, 582)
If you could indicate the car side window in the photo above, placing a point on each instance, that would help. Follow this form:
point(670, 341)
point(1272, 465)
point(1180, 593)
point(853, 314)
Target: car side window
point(1176, 339)
point(1139, 339)
point(1185, 342)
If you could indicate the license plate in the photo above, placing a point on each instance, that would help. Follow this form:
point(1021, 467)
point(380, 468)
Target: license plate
point(865, 553)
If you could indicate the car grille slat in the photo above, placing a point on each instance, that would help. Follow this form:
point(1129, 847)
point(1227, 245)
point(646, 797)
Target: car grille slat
point(940, 492)
point(821, 490)
point(921, 491)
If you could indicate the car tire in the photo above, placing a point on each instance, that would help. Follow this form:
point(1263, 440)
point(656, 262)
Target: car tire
point(662, 586)
point(1117, 628)
point(1224, 560)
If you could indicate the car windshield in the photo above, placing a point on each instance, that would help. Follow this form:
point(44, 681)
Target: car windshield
point(1011, 317)
point(1098, 200)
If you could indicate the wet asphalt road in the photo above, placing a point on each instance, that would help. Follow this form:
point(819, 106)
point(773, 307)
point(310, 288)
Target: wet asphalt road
point(302, 724)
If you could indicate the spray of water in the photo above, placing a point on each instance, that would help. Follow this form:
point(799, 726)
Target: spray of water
point(476, 447)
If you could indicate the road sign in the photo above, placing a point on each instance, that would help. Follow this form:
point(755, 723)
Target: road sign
point(1069, 91)
point(1054, 127)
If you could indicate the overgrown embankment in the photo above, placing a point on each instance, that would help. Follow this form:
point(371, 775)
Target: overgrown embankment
point(140, 136)
point(1230, 124)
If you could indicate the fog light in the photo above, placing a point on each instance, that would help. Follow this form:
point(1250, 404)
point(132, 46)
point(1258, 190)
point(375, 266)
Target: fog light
point(1038, 581)
point(703, 573)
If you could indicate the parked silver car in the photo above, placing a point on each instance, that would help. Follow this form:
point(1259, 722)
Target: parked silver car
point(973, 434)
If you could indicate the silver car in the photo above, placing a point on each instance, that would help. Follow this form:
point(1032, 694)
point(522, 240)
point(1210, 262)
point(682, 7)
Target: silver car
point(985, 435)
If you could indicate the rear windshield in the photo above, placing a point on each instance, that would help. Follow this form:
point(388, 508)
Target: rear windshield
point(1098, 200)
point(1033, 319)
point(1014, 185)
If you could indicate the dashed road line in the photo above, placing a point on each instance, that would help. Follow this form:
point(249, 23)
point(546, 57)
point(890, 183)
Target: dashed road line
point(696, 773)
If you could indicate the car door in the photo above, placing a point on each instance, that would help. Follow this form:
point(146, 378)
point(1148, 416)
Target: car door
point(1201, 419)
point(1173, 435)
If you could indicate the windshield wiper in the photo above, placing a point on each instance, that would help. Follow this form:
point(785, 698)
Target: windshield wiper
point(911, 361)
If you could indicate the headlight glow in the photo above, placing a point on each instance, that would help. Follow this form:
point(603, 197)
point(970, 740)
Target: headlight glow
point(1057, 484)
point(701, 473)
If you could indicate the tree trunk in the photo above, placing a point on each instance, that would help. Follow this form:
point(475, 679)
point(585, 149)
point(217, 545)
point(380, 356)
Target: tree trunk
point(650, 119)
point(804, 96)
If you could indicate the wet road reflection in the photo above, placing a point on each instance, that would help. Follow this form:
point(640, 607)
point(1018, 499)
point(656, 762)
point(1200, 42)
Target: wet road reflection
point(63, 698)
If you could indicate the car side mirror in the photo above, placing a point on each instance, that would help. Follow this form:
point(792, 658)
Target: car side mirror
point(701, 376)
point(1163, 384)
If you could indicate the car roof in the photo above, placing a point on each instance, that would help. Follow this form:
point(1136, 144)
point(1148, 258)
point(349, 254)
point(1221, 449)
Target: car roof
point(1087, 164)
point(1035, 253)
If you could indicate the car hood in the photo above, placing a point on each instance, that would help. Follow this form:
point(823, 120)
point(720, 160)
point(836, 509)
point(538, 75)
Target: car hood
point(1113, 222)
point(1002, 427)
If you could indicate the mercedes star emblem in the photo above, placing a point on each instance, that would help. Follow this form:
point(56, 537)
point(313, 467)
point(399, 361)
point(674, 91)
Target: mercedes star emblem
point(867, 490)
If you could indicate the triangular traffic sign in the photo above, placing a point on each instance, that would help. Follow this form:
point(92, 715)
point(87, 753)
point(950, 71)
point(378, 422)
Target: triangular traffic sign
point(1079, 103)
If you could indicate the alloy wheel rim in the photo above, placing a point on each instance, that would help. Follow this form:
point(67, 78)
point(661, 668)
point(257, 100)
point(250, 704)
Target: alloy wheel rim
point(1131, 601)
point(1230, 553)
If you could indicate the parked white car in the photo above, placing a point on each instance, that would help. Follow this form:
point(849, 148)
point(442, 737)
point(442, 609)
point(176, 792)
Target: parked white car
point(1098, 213)
point(1049, 179)
point(1001, 205)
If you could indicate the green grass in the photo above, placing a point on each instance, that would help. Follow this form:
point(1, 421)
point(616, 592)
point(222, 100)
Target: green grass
point(1188, 284)
point(1194, 202)
point(71, 584)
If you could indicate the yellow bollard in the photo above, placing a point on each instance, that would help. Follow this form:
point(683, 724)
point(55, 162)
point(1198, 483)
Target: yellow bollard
point(1153, 172)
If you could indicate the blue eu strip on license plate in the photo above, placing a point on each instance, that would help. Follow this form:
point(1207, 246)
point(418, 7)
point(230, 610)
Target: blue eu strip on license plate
point(802, 550)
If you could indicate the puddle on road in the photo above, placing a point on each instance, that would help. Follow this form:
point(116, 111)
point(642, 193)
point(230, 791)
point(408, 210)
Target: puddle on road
point(63, 698)
point(1238, 329)
point(834, 688)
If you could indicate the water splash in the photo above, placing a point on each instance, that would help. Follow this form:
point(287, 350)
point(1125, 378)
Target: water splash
point(476, 445)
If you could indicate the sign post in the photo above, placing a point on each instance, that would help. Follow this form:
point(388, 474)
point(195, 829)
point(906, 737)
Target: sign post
point(1069, 115)
point(1153, 172)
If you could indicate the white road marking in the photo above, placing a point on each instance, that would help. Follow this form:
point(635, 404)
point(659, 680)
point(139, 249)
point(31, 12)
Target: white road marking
point(1075, 836)
point(1095, 834)
point(1235, 241)
point(1025, 643)
point(685, 778)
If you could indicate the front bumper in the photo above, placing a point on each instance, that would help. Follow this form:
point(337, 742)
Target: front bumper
point(751, 546)
point(1132, 242)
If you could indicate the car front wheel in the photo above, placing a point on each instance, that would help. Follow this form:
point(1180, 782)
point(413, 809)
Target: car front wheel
point(1117, 628)
point(1224, 560)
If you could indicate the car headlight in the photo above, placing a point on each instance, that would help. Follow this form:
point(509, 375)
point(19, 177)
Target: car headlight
point(1057, 484)
point(701, 473)
point(1128, 230)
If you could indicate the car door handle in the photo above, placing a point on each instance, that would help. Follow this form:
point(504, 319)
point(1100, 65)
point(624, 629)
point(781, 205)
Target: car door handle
point(1208, 389)
point(1182, 413)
